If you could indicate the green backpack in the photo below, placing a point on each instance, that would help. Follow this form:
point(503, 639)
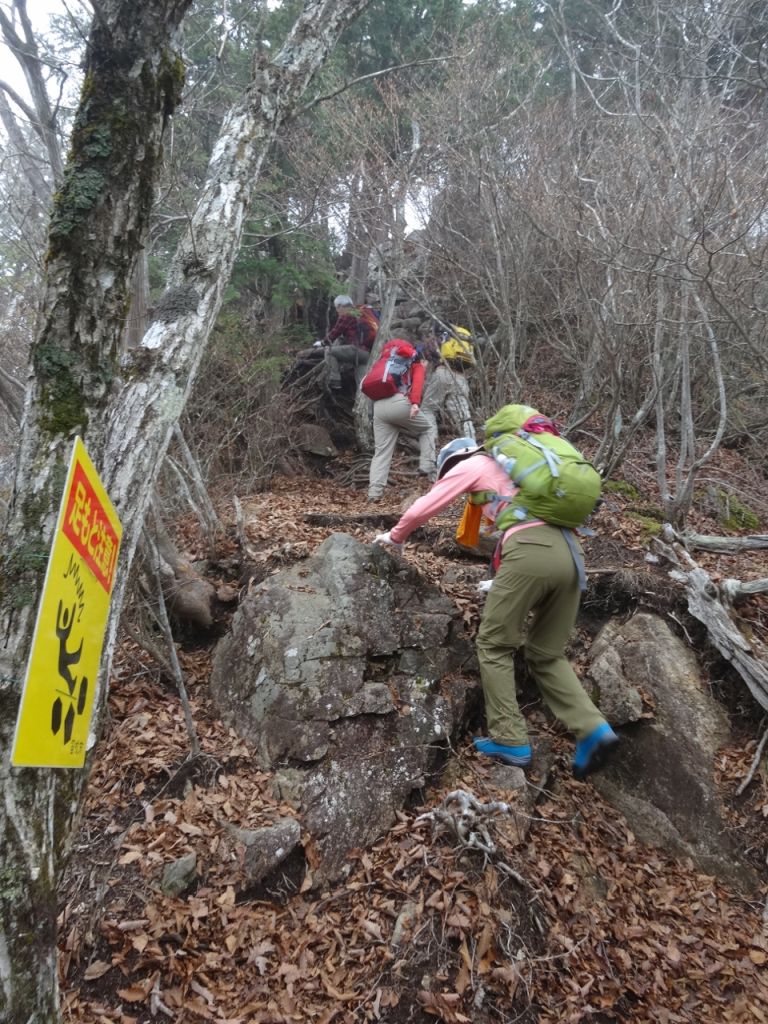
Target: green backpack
point(556, 482)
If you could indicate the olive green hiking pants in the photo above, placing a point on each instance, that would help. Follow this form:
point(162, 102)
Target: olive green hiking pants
point(537, 575)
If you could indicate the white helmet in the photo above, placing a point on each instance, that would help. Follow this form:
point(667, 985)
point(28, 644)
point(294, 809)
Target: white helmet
point(454, 452)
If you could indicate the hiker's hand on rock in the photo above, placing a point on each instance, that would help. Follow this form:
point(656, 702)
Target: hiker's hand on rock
point(384, 539)
point(318, 344)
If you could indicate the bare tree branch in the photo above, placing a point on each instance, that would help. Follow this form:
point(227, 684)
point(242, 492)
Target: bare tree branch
point(378, 74)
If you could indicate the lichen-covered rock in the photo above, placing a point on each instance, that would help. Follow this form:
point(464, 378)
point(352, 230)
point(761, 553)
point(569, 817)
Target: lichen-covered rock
point(179, 874)
point(266, 848)
point(346, 673)
point(661, 777)
point(615, 693)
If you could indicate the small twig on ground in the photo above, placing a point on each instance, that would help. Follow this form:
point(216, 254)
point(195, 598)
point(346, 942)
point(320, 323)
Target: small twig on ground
point(161, 616)
point(465, 818)
point(146, 645)
point(357, 472)
point(328, 622)
point(755, 764)
point(155, 1001)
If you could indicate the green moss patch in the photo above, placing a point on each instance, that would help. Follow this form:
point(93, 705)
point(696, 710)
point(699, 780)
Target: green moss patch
point(735, 515)
point(62, 405)
point(651, 527)
point(622, 487)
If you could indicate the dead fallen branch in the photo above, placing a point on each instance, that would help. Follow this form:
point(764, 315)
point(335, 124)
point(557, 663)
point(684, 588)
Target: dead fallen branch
point(710, 606)
point(466, 820)
point(364, 519)
point(754, 766)
point(734, 591)
point(724, 545)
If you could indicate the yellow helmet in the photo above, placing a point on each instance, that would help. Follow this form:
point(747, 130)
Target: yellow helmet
point(458, 347)
point(461, 332)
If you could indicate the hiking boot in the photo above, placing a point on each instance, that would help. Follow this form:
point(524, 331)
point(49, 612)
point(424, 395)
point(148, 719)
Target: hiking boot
point(373, 498)
point(593, 751)
point(517, 756)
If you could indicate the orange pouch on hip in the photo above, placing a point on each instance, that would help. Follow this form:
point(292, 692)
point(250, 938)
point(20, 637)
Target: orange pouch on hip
point(468, 530)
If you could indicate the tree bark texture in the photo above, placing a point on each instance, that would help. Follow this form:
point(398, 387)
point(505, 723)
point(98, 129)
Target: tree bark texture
point(138, 319)
point(11, 395)
point(124, 411)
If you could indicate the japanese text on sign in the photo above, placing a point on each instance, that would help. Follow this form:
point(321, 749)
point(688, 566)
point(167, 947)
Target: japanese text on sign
point(88, 527)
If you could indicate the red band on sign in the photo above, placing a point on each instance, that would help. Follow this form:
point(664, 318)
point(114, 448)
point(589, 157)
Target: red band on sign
point(87, 526)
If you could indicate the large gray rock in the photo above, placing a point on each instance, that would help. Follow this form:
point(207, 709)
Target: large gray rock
point(314, 439)
point(661, 777)
point(342, 672)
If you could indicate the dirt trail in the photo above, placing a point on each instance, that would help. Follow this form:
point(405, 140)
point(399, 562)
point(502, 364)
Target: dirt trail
point(418, 930)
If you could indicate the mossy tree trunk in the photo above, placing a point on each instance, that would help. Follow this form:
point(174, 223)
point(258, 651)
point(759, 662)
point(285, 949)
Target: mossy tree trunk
point(125, 411)
point(132, 82)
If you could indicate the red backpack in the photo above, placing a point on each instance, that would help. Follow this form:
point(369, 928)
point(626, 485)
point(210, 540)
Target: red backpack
point(391, 373)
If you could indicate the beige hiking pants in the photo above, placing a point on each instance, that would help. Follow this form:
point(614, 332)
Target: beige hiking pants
point(390, 416)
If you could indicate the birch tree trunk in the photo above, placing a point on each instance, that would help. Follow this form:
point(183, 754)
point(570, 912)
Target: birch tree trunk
point(125, 411)
point(137, 321)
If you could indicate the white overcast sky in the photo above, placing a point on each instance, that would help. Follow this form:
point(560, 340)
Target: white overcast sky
point(39, 12)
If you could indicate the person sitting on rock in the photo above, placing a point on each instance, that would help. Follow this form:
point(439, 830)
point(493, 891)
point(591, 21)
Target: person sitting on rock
point(537, 574)
point(350, 340)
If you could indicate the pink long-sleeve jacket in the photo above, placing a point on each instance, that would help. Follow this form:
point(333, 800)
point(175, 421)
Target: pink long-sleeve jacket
point(476, 473)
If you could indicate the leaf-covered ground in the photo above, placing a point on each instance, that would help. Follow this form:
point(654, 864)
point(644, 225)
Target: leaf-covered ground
point(588, 926)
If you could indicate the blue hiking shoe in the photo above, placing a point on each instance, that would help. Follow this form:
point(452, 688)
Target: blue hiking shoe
point(593, 751)
point(518, 756)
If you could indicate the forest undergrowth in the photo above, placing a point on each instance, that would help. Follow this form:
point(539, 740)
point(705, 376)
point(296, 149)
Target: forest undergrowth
point(592, 926)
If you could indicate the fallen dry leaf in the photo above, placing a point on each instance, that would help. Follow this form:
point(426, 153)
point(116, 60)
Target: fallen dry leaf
point(97, 969)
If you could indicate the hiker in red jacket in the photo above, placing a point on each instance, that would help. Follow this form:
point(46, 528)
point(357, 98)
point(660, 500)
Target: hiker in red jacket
point(400, 412)
point(350, 340)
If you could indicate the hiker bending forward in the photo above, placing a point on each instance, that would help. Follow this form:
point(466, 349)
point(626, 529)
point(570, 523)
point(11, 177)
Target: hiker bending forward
point(540, 571)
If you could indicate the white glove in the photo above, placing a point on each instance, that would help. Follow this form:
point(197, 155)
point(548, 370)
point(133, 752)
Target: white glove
point(386, 539)
point(317, 344)
point(484, 586)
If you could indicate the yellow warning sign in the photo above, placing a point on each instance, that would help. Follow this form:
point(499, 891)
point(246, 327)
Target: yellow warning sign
point(59, 687)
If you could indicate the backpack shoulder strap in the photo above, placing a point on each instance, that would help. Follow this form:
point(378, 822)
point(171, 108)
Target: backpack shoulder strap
point(549, 457)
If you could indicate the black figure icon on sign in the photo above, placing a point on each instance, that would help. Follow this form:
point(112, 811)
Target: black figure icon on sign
point(65, 618)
